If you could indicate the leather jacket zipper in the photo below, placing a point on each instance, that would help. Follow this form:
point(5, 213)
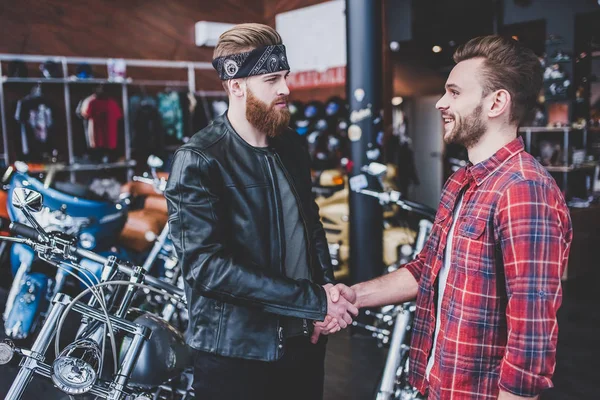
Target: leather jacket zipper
point(280, 337)
point(302, 216)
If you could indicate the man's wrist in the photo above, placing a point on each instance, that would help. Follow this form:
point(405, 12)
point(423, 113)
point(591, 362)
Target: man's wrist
point(358, 291)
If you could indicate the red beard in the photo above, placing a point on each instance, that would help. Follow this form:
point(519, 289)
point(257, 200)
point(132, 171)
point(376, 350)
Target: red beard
point(267, 118)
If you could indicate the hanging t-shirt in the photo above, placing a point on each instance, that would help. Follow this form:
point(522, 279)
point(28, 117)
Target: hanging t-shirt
point(83, 111)
point(147, 133)
point(170, 110)
point(105, 114)
point(34, 113)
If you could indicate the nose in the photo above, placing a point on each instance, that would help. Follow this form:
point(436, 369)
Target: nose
point(283, 89)
point(442, 104)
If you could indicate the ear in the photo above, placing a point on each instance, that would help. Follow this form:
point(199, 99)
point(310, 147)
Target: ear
point(237, 87)
point(500, 103)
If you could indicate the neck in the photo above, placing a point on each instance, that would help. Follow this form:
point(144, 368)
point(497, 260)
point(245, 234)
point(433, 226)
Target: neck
point(237, 117)
point(493, 140)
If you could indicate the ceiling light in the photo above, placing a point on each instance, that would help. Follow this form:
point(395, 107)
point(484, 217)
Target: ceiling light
point(396, 101)
point(436, 49)
point(394, 46)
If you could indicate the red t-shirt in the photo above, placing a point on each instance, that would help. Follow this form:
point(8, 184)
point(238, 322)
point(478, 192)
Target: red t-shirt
point(106, 113)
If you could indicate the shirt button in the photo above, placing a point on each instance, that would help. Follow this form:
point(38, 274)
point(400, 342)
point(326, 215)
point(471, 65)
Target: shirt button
point(541, 293)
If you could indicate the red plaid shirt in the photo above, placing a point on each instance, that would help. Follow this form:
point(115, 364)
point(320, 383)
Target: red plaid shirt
point(511, 243)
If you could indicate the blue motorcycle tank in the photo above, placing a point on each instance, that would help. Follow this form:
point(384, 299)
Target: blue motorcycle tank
point(100, 220)
point(29, 301)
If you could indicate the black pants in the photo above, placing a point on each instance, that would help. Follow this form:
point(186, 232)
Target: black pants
point(299, 374)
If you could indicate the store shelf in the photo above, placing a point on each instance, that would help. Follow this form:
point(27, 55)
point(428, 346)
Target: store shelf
point(96, 81)
point(571, 168)
point(534, 129)
point(77, 167)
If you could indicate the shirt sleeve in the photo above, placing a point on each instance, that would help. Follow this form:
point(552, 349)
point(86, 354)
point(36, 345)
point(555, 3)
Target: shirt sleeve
point(534, 232)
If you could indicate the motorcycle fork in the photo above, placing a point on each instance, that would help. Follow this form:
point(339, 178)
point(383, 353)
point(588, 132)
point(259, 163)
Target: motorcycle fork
point(33, 361)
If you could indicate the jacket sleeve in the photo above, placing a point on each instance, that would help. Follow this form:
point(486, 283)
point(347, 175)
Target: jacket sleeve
point(534, 232)
point(209, 266)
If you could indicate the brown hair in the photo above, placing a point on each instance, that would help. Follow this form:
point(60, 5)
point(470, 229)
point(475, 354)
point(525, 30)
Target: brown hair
point(245, 37)
point(507, 65)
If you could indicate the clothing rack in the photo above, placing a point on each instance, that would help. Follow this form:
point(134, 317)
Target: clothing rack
point(67, 81)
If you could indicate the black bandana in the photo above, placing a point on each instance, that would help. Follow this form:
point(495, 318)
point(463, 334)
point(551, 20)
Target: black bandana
point(264, 60)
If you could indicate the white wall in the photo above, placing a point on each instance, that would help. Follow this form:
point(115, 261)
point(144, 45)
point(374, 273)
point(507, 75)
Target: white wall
point(425, 128)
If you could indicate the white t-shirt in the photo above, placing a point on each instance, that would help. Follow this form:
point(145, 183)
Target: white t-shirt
point(442, 279)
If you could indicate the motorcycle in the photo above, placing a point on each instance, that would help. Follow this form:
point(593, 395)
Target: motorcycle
point(398, 236)
point(147, 232)
point(152, 359)
point(392, 323)
point(93, 221)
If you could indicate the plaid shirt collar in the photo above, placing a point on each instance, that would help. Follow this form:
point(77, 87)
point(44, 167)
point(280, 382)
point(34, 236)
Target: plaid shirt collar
point(481, 171)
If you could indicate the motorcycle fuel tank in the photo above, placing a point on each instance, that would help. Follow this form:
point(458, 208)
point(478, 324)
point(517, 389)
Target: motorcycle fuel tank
point(164, 356)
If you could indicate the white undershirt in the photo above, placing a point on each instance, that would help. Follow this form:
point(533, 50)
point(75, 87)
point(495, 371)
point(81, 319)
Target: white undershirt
point(442, 279)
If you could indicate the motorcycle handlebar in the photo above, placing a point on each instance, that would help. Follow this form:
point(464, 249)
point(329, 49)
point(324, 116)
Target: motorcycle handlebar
point(30, 233)
point(395, 197)
point(24, 230)
point(127, 270)
point(420, 208)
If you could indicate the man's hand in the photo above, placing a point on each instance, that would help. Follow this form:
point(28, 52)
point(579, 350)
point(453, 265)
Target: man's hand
point(340, 309)
point(326, 327)
point(332, 324)
point(344, 291)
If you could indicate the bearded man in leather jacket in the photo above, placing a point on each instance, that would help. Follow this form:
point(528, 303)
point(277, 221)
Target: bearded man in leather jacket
point(247, 232)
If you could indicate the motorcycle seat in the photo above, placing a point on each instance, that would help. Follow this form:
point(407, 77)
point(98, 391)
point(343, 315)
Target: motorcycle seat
point(142, 227)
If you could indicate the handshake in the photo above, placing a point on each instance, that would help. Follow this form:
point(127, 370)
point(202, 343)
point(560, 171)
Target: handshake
point(341, 306)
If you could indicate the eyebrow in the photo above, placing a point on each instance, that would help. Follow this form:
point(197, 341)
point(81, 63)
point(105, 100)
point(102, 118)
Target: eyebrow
point(275, 75)
point(452, 86)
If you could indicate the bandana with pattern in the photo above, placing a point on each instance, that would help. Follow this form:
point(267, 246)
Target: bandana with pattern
point(264, 60)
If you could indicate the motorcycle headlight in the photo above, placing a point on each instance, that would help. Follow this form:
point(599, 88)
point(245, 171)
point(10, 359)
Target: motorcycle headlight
point(75, 370)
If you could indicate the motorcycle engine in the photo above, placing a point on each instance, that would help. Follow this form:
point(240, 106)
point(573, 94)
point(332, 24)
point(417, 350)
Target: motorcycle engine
point(164, 356)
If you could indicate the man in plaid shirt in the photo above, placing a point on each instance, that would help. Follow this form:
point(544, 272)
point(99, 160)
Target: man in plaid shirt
point(488, 281)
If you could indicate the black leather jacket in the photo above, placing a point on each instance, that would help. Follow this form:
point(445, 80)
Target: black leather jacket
point(226, 224)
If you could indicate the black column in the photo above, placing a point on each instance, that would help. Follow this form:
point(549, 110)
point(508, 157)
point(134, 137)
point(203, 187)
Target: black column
point(364, 90)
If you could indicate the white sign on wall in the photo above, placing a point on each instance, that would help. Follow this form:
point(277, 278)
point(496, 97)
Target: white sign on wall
point(314, 36)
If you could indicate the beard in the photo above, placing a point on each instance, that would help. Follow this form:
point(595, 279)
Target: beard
point(266, 117)
point(468, 130)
